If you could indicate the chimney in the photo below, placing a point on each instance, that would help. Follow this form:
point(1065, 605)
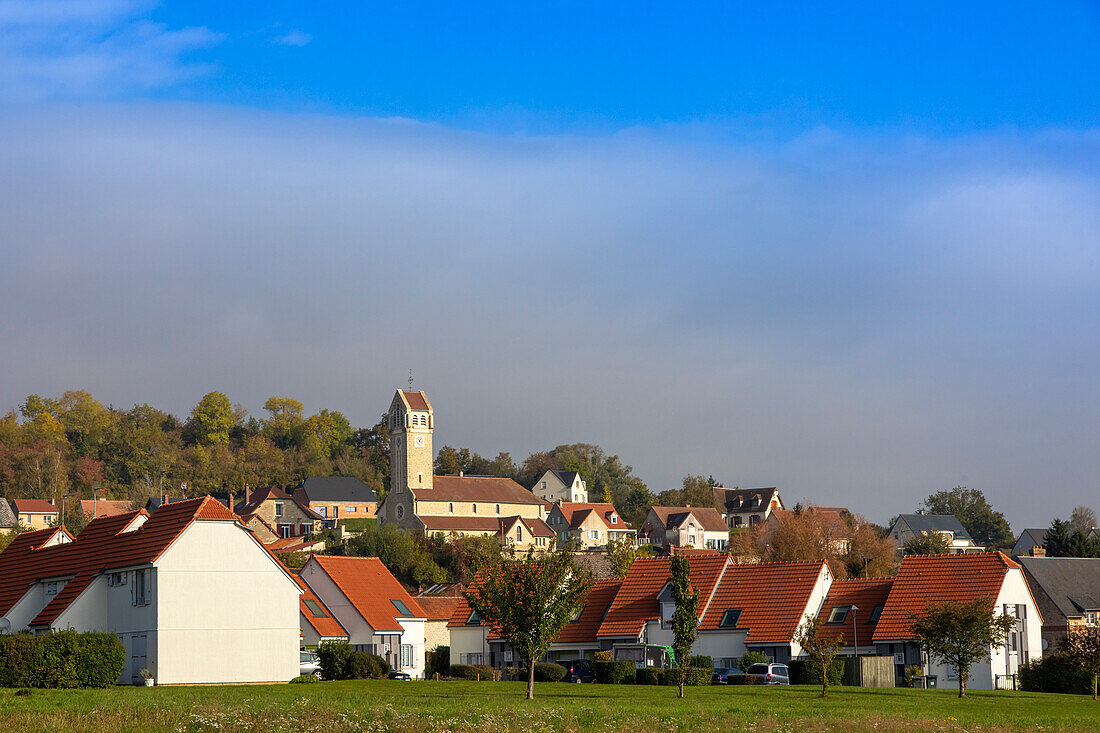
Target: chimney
point(1038, 551)
point(461, 473)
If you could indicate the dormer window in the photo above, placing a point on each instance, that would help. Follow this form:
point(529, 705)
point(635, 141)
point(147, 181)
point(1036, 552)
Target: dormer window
point(614, 519)
point(278, 509)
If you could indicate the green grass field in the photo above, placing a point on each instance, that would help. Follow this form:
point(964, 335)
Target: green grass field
point(500, 706)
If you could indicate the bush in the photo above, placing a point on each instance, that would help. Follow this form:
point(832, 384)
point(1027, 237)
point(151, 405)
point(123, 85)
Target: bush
point(340, 662)
point(303, 679)
point(437, 661)
point(482, 672)
point(61, 659)
point(549, 672)
point(1055, 673)
point(696, 677)
point(751, 658)
point(807, 672)
point(514, 674)
point(745, 679)
point(701, 661)
point(648, 676)
point(615, 673)
point(605, 656)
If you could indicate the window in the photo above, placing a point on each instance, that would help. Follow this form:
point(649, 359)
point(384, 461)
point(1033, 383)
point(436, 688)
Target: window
point(51, 588)
point(278, 509)
point(451, 508)
point(285, 530)
point(336, 512)
point(350, 509)
point(729, 618)
point(737, 521)
point(406, 656)
point(315, 608)
point(305, 528)
point(401, 607)
point(1090, 618)
point(419, 479)
point(614, 519)
point(691, 539)
point(116, 579)
point(519, 533)
point(544, 486)
point(323, 511)
point(474, 619)
point(576, 614)
point(837, 615)
point(400, 511)
point(593, 534)
point(141, 588)
point(473, 508)
point(875, 613)
point(498, 508)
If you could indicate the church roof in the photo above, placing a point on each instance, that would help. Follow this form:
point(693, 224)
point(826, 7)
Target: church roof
point(476, 488)
point(416, 400)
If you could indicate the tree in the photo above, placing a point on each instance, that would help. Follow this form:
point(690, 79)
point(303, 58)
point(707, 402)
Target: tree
point(695, 491)
point(928, 543)
point(960, 634)
point(1082, 519)
point(821, 647)
point(636, 506)
point(1082, 644)
point(211, 419)
point(606, 477)
point(1056, 542)
point(685, 619)
point(870, 553)
point(621, 554)
point(529, 600)
point(986, 526)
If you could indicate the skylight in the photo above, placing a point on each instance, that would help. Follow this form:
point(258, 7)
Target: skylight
point(315, 608)
point(837, 615)
point(875, 614)
point(401, 607)
point(730, 618)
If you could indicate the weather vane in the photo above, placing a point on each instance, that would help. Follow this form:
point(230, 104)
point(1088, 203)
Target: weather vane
point(410, 379)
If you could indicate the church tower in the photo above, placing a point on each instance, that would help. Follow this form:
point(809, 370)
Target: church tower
point(411, 422)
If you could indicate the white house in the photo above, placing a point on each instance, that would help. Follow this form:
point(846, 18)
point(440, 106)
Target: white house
point(564, 486)
point(378, 614)
point(190, 592)
point(684, 526)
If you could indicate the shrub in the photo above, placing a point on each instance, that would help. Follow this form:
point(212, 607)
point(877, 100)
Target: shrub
point(615, 673)
point(437, 661)
point(61, 659)
point(751, 658)
point(648, 676)
point(303, 679)
point(340, 662)
point(604, 656)
point(701, 661)
point(806, 672)
point(514, 674)
point(696, 677)
point(745, 679)
point(1055, 673)
point(481, 672)
point(549, 672)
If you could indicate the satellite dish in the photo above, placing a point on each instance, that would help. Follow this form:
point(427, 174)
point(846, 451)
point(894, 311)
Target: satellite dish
point(5, 626)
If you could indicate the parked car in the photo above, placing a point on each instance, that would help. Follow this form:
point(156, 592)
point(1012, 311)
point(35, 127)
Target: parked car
point(403, 676)
point(722, 675)
point(310, 664)
point(578, 670)
point(773, 674)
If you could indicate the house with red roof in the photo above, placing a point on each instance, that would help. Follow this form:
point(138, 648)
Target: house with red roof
point(991, 577)
point(35, 513)
point(289, 515)
point(593, 524)
point(190, 592)
point(684, 526)
point(379, 615)
point(318, 623)
point(472, 642)
point(94, 508)
point(851, 612)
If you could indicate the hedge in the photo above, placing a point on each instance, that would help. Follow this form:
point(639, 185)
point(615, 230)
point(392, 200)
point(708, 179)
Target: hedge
point(696, 677)
point(700, 660)
point(807, 672)
point(303, 679)
point(482, 672)
point(1055, 673)
point(752, 657)
point(549, 672)
point(745, 679)
point(340, 662)
point(615, 673)
point(62, 659)
point(649, 676)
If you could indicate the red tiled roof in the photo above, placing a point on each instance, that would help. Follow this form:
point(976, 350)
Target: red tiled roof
point(488, 489)
point(772, 598)
point(536, 527)
point(924, 579)
point(583, 630)
point(104, 508)
point(273, 493)
point(708, 517)
point(33, 506)
point(576, 512)
point(326, 626)
point(438, 608)
point(835, 517)
point(636, 601)
point(863, 593)
point(415, 399)
point(369, 586)
point(102, 545)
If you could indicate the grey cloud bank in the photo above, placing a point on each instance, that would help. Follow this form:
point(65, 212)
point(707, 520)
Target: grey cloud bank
point(860, 323)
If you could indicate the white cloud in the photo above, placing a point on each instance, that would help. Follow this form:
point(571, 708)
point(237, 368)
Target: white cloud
point(80, 49)
point(293, 38)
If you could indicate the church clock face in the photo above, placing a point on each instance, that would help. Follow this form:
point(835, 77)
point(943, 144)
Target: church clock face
point(420, 441)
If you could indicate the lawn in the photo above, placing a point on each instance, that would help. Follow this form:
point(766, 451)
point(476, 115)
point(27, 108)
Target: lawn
point(488, 706)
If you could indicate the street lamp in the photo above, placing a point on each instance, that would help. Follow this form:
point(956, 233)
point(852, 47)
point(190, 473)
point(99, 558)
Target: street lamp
point(855, 643)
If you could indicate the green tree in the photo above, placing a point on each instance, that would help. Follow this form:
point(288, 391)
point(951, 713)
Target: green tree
point(986, 526)
point(695, 491)
point(685, 618)
point(529, 600)
point(636, 506)
point(821, 646)
point(212, 419)
point(960, 634)
point(1056, 542)
point(607, 478)
point(621, 554)
point(1082, 645)
point(927, 543)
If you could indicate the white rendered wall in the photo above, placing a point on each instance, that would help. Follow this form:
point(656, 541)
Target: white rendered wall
point(468, 640)
point(359, 631)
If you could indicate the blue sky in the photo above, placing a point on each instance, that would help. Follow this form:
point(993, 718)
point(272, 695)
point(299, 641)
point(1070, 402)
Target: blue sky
point(851, 252)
